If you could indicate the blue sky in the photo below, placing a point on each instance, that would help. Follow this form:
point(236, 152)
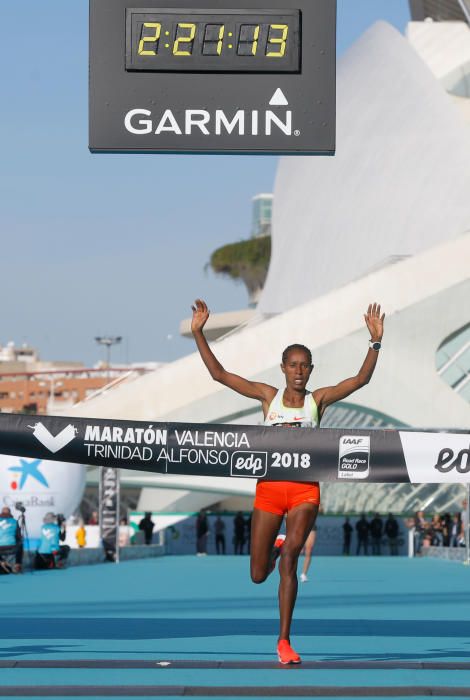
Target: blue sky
point(111, 244)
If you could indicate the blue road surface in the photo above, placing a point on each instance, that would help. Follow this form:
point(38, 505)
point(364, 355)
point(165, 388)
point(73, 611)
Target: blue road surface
point(365, 627)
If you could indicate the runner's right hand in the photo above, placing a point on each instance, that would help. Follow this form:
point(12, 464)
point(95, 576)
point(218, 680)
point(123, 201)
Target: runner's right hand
point(200, 315)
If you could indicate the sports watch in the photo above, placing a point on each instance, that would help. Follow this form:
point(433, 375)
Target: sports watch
point(375, 345)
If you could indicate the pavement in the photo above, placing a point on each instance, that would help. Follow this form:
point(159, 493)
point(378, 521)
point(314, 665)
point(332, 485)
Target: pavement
point(187, 625)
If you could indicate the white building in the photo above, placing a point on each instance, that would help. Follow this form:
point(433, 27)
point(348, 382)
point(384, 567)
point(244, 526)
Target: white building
point(387, 219)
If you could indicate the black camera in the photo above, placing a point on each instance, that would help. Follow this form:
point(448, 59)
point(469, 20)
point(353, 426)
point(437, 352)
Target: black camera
point(60, 518)
point(19, 506)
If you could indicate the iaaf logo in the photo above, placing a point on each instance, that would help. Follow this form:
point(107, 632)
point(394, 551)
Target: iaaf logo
point(242, 122)
point(51, 442)
point(249, 464)
point(353, 461)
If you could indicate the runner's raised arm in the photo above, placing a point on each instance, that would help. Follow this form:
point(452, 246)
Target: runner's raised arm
point(253, 390)
point(327, 395)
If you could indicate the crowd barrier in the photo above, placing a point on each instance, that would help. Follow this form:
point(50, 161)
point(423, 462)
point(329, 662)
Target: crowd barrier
point(95, 555)
point(447, 553)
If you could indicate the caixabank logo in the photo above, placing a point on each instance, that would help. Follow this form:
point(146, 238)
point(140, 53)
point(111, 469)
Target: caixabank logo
point(354, 453)
point(41, 486)
point(436, 458)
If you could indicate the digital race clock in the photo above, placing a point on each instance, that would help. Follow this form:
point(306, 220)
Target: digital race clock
point(204, 40)
point(212, 76)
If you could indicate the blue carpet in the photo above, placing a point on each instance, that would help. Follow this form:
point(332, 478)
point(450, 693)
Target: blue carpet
point(351, 609)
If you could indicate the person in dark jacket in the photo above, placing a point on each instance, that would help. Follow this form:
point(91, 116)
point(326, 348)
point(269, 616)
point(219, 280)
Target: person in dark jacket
point(147, 525)
point(392, 531)
point(362, 531)
point(347, 534)
point(202, 532)
point(239, 528)
point(376, 527)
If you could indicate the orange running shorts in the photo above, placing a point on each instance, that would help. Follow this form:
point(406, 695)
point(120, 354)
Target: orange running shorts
point(280, 497)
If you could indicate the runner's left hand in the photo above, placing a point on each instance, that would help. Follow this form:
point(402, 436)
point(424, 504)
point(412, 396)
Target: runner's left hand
point(374, 321)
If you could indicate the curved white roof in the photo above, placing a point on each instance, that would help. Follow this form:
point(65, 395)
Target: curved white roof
point(398, 185)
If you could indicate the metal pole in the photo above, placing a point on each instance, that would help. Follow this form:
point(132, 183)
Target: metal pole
point(411, 542)
point(465, 9)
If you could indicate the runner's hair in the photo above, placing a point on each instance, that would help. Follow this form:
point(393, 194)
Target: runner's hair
point(296, 346)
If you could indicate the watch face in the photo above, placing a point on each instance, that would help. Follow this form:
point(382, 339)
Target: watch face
point(376, 345)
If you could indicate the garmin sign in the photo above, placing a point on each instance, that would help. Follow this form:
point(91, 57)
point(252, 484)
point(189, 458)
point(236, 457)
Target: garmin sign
point(213, 78)
point(201, 121)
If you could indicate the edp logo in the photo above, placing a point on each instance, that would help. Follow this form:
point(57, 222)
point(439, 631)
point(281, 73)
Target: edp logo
point(448, 460)
point(249, 464)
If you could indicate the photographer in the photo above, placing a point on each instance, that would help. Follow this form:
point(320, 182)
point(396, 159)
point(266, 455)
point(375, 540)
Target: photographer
point(64, 549)
point(10, 543)
point(49, 554)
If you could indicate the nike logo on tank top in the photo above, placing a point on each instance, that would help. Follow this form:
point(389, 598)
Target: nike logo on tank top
point(282, 416)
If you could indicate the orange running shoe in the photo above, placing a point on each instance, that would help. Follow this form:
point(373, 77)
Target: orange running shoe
point(275, 554)
point(286, 654)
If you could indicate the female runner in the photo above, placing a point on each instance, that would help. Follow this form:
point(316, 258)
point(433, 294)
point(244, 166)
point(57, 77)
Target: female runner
point(308, 549)
point(292, 407)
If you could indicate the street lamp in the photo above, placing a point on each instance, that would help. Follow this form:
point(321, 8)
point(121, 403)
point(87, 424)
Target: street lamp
point(108, 342)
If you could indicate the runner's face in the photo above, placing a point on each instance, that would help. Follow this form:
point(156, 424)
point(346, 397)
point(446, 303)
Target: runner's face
point(297, 369)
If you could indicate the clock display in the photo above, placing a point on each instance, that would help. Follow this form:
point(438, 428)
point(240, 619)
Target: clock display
point(207, 40)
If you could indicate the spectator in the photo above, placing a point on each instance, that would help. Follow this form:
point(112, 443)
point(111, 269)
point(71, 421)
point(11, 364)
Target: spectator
point(10, 542)
point(64, 549)
point(248, 532)
point(376, 530)
point(80, 535)
point(420, 526)
point(125, 533)
point(93, 519)
point(392, 531)
point(49, 543)
point(347, 534)
point(362, 530)
point(239, 526)
point(456, 533)
point(446, 525)
point(464, 519)
point(219, 529)
point(437, 537)
point(147, 525)
point(202, 532)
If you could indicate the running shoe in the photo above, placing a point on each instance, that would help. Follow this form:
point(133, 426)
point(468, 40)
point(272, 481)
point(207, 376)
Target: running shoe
point(276, 551)
point(303, 578)
point(286, 654)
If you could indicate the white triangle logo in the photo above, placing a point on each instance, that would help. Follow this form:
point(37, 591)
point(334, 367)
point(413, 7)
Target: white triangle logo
point(278, 99)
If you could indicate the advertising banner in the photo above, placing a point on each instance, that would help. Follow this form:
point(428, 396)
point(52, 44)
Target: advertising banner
point(109, 511)
point(38, 486)
point(257, 452)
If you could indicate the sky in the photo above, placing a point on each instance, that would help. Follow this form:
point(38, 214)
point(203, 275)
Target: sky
point(96, 244)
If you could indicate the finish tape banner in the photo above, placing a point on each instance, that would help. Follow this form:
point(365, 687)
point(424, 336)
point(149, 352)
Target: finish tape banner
point(258, 452)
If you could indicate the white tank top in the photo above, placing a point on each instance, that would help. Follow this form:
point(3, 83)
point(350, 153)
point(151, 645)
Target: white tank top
point(304, 417)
